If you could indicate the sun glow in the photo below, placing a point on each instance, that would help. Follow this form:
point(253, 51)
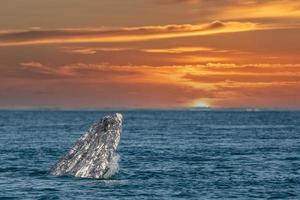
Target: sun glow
point(199, 104)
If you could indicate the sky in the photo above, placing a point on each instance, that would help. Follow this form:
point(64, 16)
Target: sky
point(150, 54)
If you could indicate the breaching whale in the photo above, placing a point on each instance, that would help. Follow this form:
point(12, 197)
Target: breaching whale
point(94, 154)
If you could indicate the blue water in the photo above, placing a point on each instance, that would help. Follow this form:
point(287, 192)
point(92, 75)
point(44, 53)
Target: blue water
point(164, 155)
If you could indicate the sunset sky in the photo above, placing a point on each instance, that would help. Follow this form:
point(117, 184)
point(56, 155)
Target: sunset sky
point(150, 53)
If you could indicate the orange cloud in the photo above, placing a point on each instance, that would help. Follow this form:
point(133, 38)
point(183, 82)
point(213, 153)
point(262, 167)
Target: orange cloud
point(39, 36)
point(264, 9)
point(90, 51)
point(214, 84)
point(179, 49)
point(198, 76)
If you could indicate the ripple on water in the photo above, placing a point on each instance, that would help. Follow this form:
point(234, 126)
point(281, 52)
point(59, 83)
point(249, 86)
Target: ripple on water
point(163, 155)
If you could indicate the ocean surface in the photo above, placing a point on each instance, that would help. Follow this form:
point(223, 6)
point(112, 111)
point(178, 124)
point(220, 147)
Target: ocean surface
point(181, 154)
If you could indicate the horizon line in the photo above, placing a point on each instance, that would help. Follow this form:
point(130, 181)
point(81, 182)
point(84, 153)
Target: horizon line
point(50, 108)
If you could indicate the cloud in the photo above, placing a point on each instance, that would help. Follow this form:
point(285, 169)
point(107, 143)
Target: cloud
point(278, 11)
point(36, 93)
point(281, 95)
point(37, 70)
point(33, 64)
point(262, 9)
point(255, 78)
point(201, 75)
point(91, 72)
point(186, 49)
point(182, 1)
point(142, 86)
point(91, 51)
point(40, 36)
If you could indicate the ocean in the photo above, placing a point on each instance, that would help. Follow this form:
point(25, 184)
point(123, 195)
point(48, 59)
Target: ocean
point(164, 154)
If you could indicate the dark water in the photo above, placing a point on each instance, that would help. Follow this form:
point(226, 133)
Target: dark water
point(164, 155)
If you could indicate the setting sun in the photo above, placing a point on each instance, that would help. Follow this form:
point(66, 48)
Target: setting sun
point(199, 104)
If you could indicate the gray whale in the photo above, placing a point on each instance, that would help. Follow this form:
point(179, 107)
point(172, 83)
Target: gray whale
point(94, 154)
